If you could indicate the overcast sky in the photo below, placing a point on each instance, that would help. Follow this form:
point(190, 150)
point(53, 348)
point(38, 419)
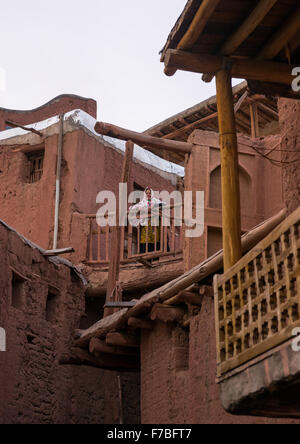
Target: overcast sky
point(103, 49)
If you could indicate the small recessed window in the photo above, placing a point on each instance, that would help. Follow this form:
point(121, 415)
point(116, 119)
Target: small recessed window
point(17, 285)
point(36, 164)
point(52, 305)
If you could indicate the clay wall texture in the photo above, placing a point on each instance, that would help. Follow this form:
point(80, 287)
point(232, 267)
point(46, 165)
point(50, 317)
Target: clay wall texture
point(59, 105)
point(88, 167)
point(289, 115)
point(39, 310)
point(260, 185)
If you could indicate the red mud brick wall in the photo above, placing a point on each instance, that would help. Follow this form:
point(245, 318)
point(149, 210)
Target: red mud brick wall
point(28, 207)
point(59, 105)
point(88, 167)
point(289, 115)
point(34, 387)
point(178, 372)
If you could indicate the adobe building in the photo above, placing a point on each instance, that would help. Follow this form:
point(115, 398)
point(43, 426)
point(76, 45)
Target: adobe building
point(222, 353)
point(91, 163)
point(197, 351)
point(42, 302)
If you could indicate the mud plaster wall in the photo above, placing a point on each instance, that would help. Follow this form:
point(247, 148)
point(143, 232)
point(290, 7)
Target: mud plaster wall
point(178, 371)
point(260, 185)
point(289, 115)
point(59, 105)
point(34, 387)
point(88, 167)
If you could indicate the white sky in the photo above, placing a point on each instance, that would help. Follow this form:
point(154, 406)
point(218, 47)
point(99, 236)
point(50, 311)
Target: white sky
point(103, 49)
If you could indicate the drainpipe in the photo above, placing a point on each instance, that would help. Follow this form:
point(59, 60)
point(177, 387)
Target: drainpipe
point(58, 179)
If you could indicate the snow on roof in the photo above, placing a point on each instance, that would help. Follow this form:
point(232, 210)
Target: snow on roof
point(81, 118)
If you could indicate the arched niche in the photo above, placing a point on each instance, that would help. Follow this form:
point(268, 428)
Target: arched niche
point(215, 198)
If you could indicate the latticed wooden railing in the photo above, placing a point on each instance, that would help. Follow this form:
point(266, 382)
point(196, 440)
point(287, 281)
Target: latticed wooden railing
point(257, 301)
point(167, 243)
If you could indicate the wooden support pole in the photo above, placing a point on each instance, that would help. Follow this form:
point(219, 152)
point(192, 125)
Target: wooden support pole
point(264, 71)
point(254, 120)
point(115, 251)
point(107, 129)
point(231, 207)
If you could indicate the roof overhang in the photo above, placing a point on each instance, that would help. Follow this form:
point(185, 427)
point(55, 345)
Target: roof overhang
point(259, 40)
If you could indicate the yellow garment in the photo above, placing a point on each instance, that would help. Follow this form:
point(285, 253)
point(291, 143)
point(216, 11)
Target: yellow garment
point(151, 234)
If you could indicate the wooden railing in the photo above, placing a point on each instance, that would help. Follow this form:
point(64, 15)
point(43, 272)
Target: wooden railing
point(257, 301)
point(168, 241)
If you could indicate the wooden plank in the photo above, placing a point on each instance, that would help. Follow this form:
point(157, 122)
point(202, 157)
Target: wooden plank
point(262, 245)
point(244, 31)
point(231, 210)
point(290, 29)
point(272, 72)
point(198, 23)
point(254, 120)
point(102, 327)
point(257, 350)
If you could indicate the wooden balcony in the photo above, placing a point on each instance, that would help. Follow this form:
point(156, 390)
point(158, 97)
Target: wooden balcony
point(167, 243)
point(257, 301)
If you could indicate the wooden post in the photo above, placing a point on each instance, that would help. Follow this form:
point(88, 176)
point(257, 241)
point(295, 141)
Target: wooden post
point(254, 120)
point(115, 251)
point(231, 213)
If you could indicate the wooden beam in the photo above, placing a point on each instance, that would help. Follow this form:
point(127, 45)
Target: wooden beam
point(254, 120)
point(290, 28)
point(122, 340)
point(164, 313)
point(115, 251)
point(142, 324)
point(231, 207)
point(272, 72)
point(244, 30)
point(194, 125)
point(142, 139)
point(247, 27)
point(172, 288)
point(205, 11)
point(187, 297)
point(78, 356)
point(58, 252)
point(17, 125)
point(191, 126)
point(97, 346)
point(266, 109)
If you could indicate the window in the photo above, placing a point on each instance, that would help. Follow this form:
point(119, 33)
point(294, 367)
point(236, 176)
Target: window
point(17, 296)
point(51, 305)
point(36, 163)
